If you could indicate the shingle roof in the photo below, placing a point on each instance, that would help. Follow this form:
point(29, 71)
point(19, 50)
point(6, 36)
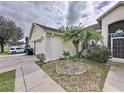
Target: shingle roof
point(49, 28)
point(115, 6)
point(94, 26)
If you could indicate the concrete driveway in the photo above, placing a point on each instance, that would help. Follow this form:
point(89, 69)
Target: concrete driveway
point(115, 78)
point(29, 76)
point(15, 61)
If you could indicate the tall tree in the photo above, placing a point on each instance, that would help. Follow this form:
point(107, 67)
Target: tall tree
point(9, 32)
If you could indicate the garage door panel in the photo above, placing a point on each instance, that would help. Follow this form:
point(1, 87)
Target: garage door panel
point(38, 46)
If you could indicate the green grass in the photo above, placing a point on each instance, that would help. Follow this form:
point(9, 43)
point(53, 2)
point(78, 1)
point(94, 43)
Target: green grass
point(5, 51)
point(92, 80)
point(7, 81)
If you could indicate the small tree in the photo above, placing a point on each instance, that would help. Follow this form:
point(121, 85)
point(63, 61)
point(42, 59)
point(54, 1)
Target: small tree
point(66, 54)
point(86, 35)
point(79, 35)
point(73, 33)
point(9, 32)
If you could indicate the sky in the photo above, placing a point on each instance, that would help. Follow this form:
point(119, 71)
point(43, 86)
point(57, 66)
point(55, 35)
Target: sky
point(53, 13)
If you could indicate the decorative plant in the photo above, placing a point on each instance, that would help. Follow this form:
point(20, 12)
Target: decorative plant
point(99, 54)
point(41, 57)
point(80, 37)
point(66, 54)
point(72, 33)
point(87, 35)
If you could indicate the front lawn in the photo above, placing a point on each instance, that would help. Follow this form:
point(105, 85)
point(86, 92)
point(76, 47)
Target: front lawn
point(7, 81)
point(4, 53)
point(91, 80)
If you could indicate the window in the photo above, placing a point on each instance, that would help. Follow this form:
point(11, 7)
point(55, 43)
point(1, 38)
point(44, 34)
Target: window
point(18, 48)
point(118, 48)
point(12, 48)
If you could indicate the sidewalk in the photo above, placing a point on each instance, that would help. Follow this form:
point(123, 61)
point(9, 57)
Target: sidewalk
point(115, 79)
point(33, 79)
point(29, 76)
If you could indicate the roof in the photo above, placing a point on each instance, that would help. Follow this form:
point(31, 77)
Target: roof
point(94, 26)
point(59, 32)
point(112, 8)
point(46, 28)
point(49, 28)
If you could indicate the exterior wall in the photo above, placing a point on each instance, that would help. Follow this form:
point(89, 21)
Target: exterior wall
point(114, 16)
point(68, 46)
point(37, 34)
point(51, 44)
point(55, 46)
point(38, 40)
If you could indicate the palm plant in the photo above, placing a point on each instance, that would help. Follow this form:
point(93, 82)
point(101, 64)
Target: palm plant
point(78, 35)
point(86, 35)
point(72, 33)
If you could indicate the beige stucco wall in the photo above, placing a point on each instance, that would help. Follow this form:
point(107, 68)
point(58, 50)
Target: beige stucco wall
point(51, 46)
point(114, 16)
point(55, 46)
point(39, 38)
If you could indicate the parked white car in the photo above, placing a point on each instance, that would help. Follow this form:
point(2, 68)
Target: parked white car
point(14, 50)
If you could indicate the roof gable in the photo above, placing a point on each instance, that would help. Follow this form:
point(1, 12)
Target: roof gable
point(31, 31)
point(49, 28)
point(46, 28)
point(111, 9)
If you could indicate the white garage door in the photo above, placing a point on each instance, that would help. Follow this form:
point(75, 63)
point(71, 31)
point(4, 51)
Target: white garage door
point(38, 47)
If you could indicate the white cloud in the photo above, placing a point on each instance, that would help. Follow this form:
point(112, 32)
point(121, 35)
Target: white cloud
point(53, 14)
point(94, 10)
point(24, 13)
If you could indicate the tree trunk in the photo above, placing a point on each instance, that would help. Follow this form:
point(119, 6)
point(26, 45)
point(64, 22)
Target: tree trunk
point(82, 48)
point(76, 47)
point(2, 48)
point(76, 50)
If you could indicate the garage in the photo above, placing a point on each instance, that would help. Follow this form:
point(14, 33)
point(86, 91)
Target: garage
point(38, 47)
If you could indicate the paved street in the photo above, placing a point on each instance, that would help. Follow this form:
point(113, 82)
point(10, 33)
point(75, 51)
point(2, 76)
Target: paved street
point(29, 76)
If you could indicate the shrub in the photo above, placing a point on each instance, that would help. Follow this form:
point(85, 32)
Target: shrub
point(41, 57)
point(99, 54)
point(66, 54)
point(61, 58)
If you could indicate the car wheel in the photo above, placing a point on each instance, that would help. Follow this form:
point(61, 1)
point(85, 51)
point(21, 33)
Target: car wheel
point(14, 52)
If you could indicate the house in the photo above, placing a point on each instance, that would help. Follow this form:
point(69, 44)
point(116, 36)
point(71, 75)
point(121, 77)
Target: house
point(49, 41)
point(112, 27)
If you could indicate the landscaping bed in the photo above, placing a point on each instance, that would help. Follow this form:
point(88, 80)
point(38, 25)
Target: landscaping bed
point(91, 80)
point(7, 81)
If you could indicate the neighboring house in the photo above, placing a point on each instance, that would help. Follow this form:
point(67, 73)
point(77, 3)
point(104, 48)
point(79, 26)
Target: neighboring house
point(49, 41)
point(112, 26)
